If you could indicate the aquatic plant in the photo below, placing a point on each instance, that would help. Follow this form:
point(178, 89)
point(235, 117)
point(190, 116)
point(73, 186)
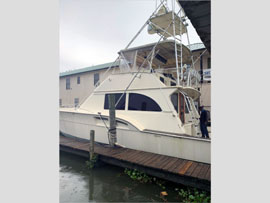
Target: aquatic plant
point(138, 175)
point(185, 195)
point(92, 163)
point(193, 195)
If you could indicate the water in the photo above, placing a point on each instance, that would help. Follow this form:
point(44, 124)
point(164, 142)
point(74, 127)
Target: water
point(104, 184)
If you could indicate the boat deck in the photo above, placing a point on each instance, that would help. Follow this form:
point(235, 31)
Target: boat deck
point(190, 173)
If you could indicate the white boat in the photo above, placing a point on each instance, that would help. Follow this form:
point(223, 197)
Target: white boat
point(155, 110)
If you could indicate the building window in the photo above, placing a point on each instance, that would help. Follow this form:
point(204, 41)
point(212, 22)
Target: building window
point(76, 102)
point(60, 102)
point(139, 102)
point(96, 79)
point(121, 104)
point(67, 83)
point(209, 63)
point(78, 80)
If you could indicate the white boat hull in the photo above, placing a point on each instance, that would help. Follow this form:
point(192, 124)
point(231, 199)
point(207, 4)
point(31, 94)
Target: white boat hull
point(190, 148)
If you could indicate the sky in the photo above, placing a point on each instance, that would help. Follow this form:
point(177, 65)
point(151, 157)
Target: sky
point(93, 31)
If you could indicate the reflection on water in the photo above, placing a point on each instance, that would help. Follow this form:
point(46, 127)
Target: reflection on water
point(102, 184)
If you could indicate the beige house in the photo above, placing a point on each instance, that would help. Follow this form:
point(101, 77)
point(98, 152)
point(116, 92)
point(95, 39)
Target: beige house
point(77, 85)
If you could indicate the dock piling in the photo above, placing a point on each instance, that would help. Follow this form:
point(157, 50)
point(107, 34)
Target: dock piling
point(91, 146)
point(112, 130)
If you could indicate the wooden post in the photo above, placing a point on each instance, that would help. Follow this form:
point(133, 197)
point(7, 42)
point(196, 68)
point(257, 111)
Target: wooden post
point(91, 146)
point(112, 130)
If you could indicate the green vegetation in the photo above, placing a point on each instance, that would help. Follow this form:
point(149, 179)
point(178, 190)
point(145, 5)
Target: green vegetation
point(185, 194)
point(137, 175)
point(92, 163)
point(193, 195)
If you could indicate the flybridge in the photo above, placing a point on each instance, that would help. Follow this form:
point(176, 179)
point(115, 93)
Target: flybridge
point(168, 56)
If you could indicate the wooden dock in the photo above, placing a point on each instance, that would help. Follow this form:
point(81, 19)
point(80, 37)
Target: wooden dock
point(189, 173)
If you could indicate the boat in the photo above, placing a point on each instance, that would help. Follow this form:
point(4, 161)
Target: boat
point(154, 100)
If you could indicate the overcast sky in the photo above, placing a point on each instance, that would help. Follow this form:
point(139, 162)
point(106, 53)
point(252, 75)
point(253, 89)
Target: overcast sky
point(93, 31)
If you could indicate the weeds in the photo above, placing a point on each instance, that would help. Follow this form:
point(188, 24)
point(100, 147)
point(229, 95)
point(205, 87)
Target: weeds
point(92, 163)
point(137, 175)
point(192, 195)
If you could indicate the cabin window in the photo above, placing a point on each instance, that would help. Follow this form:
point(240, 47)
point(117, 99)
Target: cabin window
point(174, 99)
point(173, 83)
point(96, 78)
point(121, 104)
point(78, 80)
point(76, 102)
point(139, 102)
point(67, 83)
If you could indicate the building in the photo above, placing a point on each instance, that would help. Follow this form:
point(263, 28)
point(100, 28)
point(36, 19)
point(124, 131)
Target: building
point(202, 60)
point(75, 86)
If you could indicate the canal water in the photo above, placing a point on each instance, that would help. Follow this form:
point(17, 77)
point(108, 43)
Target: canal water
point(105, 183)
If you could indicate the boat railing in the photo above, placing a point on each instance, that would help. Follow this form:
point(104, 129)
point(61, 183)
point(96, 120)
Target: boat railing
point(191, 77)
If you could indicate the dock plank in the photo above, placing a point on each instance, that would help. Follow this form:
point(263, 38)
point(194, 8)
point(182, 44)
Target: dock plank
point(149, 158)
point(208, 174)
point(132, 155)
point(180, 166)
point(183, 170)
point(203, 171)
point(175, 165)
point(168, 166)
point(166, 161)
point(125, 155)
point(160, 162)
point(191, 169)
point(197, 170)
point(142, 156)
point(152, 160)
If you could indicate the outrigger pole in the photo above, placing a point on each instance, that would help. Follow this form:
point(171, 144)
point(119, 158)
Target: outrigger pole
point(175, 45)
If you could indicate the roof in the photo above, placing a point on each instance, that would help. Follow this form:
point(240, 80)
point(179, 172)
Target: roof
point(196, 46)
point(193, 47)
point(164, 57)
point(89, 69)
point(199, 13)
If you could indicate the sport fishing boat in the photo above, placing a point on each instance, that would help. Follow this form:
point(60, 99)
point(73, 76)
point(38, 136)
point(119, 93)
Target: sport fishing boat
point(154, 90)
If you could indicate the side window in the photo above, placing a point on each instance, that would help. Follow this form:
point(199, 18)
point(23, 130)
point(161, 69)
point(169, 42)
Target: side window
point(67, 83)
point(174, 99)
point(173, 83)
point(78, 80)
point(139, 102)
point(76, 102)
point(96, 78)
point(161, 79)
point(121, 104)
point(187, 106)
